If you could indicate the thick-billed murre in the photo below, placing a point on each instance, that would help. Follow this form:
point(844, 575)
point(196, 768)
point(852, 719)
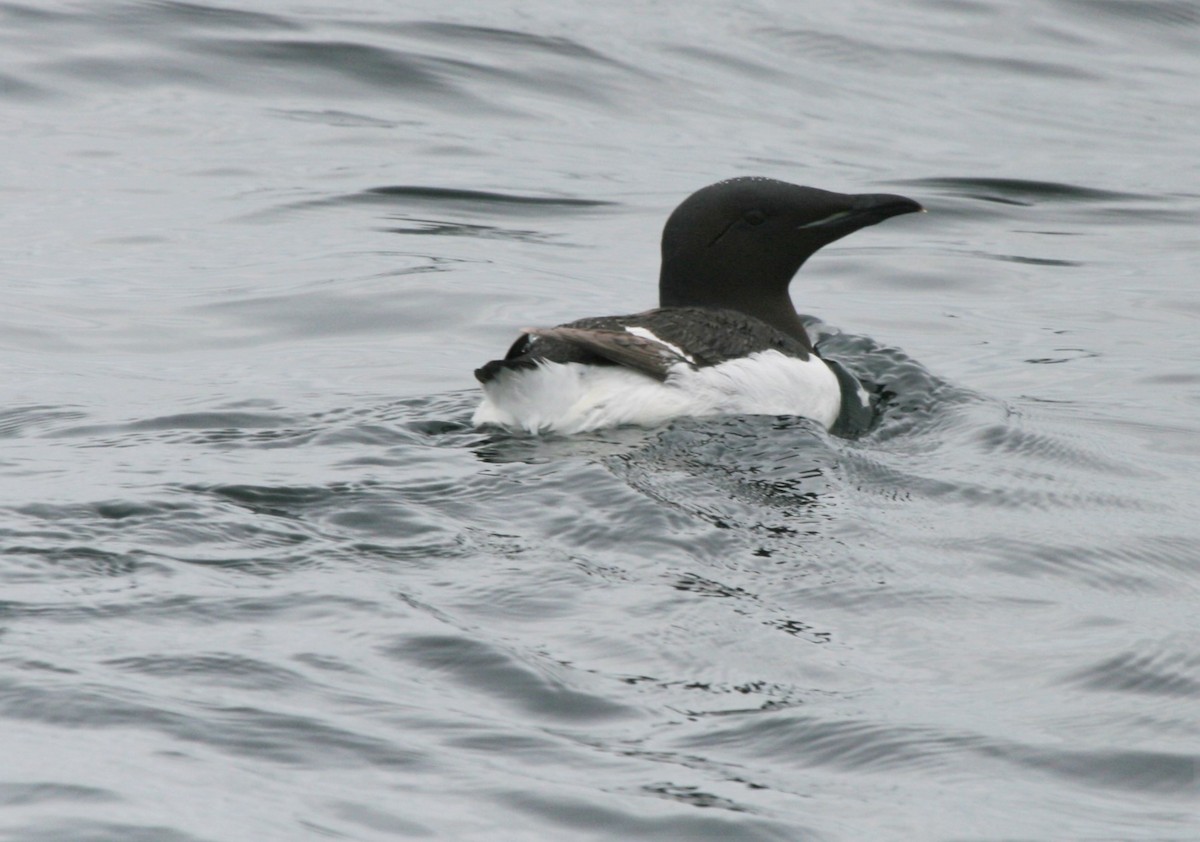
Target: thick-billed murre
point(725, 338)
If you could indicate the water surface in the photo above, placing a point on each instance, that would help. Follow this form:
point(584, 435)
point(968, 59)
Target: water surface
point(261, 580)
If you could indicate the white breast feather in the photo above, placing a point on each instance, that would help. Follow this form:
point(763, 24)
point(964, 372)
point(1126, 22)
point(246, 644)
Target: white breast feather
point(573, 398)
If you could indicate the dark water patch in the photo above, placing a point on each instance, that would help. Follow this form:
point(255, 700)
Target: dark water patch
point(1140, 217)
point(364, 507)
point(747, 603)
point(464, 201)
point(133, 72)
point(100, 511)
point(723, 698)
point(286, 738)
point(372, 434)
point(800, 629)
point(221, 669)
point(152, 535)
point(37, 666)
point(829, 48)
point(522, 42)
point(1038, 447)
point(277, 318)
point(184, 50)
point(438, 228)
point(1068, 355)
point(487, 669)
point(1044, 233)
point(1018, 191)
point(341, 119)
point(281, 501)
point(14, 88)
point(545, 65)
point(1028, 261)
point(154, 14)
point(901, 474)
point(1126, 770)
point(293, 527)
point(869, 597)
point(75, 706)
point(294, 740)
point(27, 13)
point(1175, 378)
point(443, 212)
point(869, 475)
point(693, 583)
point(210, 420)
point(857, 53)
point(89, 830)
point(220, 423)
point(300, 607)
point(56, 558)
point(374, 818)
point(575, 816)
point(443, 428)
point(739, 64)
point(438, 421)
point(1000, 65)
point(1155, 668)
point(326, 663)
point(694, 797)
point(357, 69)
point(347, 67)
point(14, 794)
point(1137, 563)
point(884, 748)
point(1168, 14)
point(475, 199)
point(592, 510)
point(23, 420)
point(501, 449)
point(846, 745)
point(229, 438)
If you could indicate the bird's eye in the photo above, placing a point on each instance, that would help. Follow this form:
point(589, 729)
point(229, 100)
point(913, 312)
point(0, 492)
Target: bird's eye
point(755, 217)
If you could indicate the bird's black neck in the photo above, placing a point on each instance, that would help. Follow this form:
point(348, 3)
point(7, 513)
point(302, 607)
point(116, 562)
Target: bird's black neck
point(772, 306)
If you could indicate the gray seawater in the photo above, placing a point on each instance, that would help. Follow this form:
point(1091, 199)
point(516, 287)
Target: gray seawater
point(262, 581)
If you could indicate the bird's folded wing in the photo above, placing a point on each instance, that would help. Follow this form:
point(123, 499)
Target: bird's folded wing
point(621, 347)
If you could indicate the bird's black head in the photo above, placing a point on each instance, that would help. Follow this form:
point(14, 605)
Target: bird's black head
point(737, 243)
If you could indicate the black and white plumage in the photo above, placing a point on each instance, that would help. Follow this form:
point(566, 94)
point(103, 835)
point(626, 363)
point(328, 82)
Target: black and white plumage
point(725, 338)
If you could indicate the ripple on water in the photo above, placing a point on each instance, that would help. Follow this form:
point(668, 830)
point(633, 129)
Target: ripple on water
point(575, 816)
point(19, 794)
point(222, 668)
point(24, 420)
point(272, 735)
point(504, 677)
point(800, 740)
point(1021, 191)
point(1163, 15)
point(1168, 667)
point(332, 613)
point(1130, 563)
point(1131, 771)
